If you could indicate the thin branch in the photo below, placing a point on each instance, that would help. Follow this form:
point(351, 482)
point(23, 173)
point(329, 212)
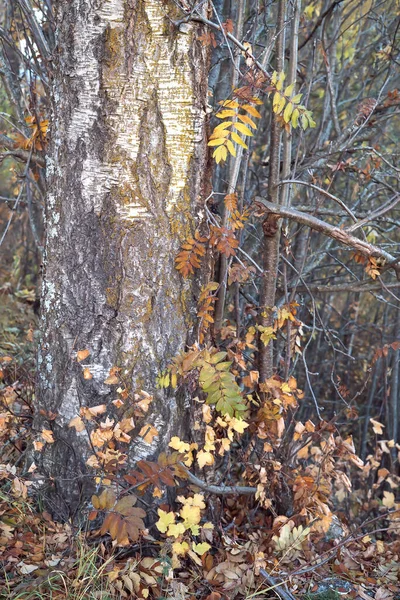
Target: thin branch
point(322, 191)
point(221, 490)
point(340, 235)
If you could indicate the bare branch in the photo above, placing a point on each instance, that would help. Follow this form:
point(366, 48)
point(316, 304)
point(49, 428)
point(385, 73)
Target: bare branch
point(340, 235)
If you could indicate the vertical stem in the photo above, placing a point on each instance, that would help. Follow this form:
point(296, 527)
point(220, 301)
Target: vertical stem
point(271, 230)
point(233, 178)
point(394, 385)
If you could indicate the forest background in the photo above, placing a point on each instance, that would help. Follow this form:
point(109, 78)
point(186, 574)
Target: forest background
point(199, 299)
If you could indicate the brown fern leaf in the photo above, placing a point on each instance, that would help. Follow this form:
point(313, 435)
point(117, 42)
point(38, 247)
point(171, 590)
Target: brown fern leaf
point(191, 252)
point(231, 201)
point(224, 240)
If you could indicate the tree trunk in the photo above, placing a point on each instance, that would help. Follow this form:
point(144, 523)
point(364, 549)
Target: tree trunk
point(125, 176)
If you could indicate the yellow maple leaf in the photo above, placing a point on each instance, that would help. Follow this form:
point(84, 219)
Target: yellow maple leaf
point(388, 499)
point(204, 459)
point(180, 548)
point(191, 516)
point(165, 520)
point(176, 529)
point(177, 444)
point(202, 548)
point(93, 411)
point(238, 424)
point(196, 500)
point(148, 433)
point(225, 446)
point(77, 423)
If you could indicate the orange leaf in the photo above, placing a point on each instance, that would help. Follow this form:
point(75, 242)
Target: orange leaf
point(82, 354)
point(148, 433)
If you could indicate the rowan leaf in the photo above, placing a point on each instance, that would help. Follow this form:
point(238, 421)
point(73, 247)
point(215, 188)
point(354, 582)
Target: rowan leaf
point(247, 120)
point(216, 142)
point(236, 138)
point(231, 147)
point(220, 153)
point(251, 110)
point(243, 129)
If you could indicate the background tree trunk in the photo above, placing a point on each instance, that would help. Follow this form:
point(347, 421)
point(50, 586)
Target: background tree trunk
point(125, 176)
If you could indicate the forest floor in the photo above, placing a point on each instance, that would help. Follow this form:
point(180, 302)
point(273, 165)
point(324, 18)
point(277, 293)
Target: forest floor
point(41, 558)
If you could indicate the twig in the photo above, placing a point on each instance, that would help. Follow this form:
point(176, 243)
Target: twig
point(221, 490)
point(340, 235)
point(276, 586)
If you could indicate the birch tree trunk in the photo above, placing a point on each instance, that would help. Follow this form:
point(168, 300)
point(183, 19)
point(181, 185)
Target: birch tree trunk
point(125, 176)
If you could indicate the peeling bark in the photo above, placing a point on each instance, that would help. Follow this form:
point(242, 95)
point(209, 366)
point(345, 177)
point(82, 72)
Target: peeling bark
point(128, 149)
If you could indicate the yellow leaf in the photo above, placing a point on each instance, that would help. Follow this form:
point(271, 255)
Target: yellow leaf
point(229, 103)
point(238, 140)
point(216, 142)
point(247, 120)
point(77, 423)
point(309, 10)
point(225, 113)
point(202, 548)
point(251, 110)
point(388, 499)
point(281, 79)
point(281, 105)
point(219, 134)
point(232, 150)
point(276, 100)
point(377, 427)
point(197, 500)
point(165, 520)
point(87, 374)
point(289, 90)
point(220, 154)
point(38, 446)
point(47, 435)
point(238, 424)
point(222, 126)
point(207, 416)
point(295, 118)
point(82, 354)
point(180, 548)
point(178, 445)
point(296, 99)
point(176, 529)
point(204, 459)
point(288, 112)
point(243, 129)
point(148, 432)
point(191, 515)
